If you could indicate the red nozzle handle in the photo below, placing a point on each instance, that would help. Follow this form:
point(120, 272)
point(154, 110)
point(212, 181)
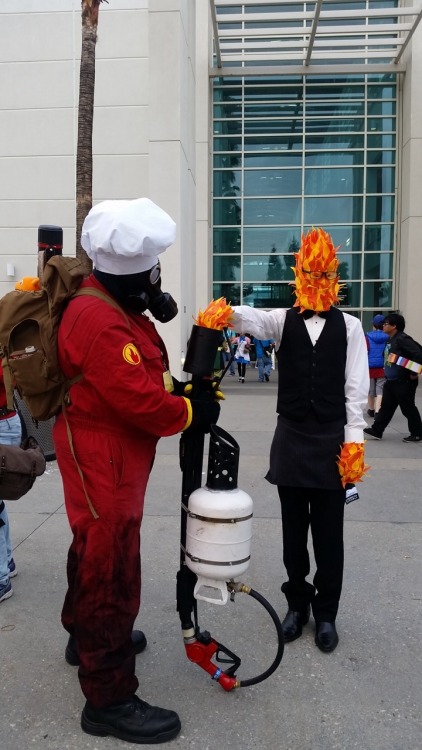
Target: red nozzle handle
point(201, 654)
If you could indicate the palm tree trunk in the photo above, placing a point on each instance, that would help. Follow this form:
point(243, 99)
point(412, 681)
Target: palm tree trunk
point(90, 9)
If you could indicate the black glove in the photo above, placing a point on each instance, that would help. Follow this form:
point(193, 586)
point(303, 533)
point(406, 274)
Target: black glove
point(205, 412)
point(181, 389)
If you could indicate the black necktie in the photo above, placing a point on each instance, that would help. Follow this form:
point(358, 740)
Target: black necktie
point(309, 313)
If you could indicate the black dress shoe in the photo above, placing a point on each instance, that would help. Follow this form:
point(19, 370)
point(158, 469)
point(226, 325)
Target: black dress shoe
point(326, 637)
point(293, 623)
point(71, 654)
point(133, 721)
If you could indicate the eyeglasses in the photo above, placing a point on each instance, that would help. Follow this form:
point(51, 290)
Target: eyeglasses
point(319, 274)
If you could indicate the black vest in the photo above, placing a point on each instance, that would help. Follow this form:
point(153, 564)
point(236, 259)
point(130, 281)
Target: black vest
point(312, 377)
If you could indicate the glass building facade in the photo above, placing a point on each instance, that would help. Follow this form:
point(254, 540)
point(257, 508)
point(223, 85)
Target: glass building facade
point(290, 153)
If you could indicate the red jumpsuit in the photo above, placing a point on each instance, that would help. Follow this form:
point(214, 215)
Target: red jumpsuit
point(118, 411)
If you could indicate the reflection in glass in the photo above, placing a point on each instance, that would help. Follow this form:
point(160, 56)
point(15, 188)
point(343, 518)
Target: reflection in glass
point(282, 142)
point(230, 291)
point(274, 159)
point(380, 208)
point(345, 141)
point(349, 266)
point(321, 211)
point(381, 140)
point(273, 182)
point(377, 294)
point(350, 294)
point(349, 238)
point(226, 267)
point(228, 144)
point(227, 183)
point(380, 180)
point(271, 267)
point(378, 266)
point(379, 237)
point(227, 211)
point(333, 158)
point(380, 157)
point(264, 239)
point(268, 295)
point(271, 211)
point(336, 181)
point(226, 241)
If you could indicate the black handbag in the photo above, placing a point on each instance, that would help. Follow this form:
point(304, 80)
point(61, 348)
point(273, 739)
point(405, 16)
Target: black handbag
point(20, 465)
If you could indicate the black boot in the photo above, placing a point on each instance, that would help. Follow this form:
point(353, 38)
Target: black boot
point(132, 721)
point(326, 637)
point(72, 656)
point(293, 623)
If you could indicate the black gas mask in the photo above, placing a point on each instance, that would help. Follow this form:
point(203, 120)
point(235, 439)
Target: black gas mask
point(140, 292)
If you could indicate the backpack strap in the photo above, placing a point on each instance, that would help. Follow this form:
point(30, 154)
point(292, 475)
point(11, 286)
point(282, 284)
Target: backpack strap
point(91, 292)
point(88, 292)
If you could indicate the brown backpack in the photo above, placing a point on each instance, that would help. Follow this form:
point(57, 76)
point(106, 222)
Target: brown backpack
point(29, 323)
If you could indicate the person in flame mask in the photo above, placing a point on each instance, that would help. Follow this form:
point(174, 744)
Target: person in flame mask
point(317, 447)
point(105, 442)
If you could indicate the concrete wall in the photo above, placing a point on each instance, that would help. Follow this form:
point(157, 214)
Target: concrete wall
point(144, 129)
point(409, 257)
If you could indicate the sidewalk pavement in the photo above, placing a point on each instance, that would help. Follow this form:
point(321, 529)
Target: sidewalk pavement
point(366, 695)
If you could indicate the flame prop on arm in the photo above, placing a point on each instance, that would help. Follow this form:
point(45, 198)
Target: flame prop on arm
point(316, 253)
point(216, 315)
point(351, 463)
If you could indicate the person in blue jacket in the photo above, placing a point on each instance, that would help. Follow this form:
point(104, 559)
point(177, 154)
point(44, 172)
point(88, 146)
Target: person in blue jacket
point(376, 341)
point(263, 350)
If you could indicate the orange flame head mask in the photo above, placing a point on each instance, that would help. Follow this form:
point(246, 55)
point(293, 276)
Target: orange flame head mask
point(316, 253)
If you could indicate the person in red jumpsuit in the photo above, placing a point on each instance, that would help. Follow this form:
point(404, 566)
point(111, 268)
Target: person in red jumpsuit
point(105, 445)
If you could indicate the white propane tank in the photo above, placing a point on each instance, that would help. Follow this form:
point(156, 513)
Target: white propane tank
point(219, 526)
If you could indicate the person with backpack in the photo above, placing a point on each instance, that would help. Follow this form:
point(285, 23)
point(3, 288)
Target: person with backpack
point(376, 341)
point(10, 434)
point(105, 440)
point(263, 350)
point(400, 381)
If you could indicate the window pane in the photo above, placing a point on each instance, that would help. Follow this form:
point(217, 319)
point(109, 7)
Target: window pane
point(228, 109)
point(350, 295)
point(349, 266)
point(335, 92)
point(335, 141)
point(273, 182)
point(226, 241)
point(227, 160)
point(283, 109)
point(379, 237)
point(333, 158)
point(268, 295)
point(264, 239)
point(226, 127)
point(380, 180)
point(381, 124)
point(230, 291)
point(379, 140)
point(377, 294)
point(227, 267)
point(380, 208)
point(349, 238)
point(382, 92)
point(227, 144)
point(381, 157)
point(227, 211)
point(336, 181)
point(279, 159)
point(269, 267)
point(381, 108)
point(335, 109)
point(227, 183)
point(271, 211)
point(378, 266)
point(272, 142)
point(336, 126)
point(320, 211)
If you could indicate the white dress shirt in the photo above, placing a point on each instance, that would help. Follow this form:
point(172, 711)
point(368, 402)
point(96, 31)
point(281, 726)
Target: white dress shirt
point(267, 324)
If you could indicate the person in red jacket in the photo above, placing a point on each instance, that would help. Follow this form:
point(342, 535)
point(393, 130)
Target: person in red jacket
point(105, 445)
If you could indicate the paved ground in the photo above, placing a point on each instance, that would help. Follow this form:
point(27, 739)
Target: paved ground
point(366, 695)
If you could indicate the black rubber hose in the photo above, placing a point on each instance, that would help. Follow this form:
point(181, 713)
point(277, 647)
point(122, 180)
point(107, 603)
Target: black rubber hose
point(279, 655)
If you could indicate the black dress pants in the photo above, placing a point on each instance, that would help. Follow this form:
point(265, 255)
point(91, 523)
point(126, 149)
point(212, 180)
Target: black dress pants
point(396, 393)
point(322, 511)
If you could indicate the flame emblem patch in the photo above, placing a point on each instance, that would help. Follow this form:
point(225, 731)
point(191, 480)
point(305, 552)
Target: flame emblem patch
point(131, 354)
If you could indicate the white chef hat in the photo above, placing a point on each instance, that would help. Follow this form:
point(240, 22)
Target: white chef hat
point(125, 237)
